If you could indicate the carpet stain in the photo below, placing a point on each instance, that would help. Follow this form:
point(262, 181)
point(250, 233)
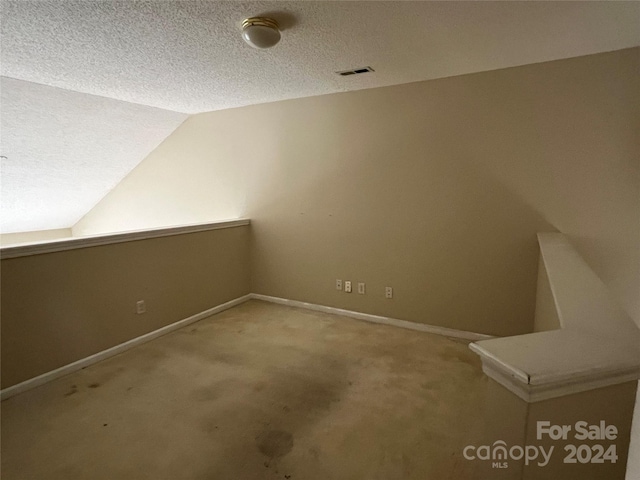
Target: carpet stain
point(72, 390)
point(275, 443)
point(292, 380)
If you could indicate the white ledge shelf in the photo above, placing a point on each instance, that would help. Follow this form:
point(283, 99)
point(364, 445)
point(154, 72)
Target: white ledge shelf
point(598, 343)
point(27, 249)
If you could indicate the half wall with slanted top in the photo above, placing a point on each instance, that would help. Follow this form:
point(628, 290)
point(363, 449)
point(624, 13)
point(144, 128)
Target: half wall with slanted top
point(596, 345)
point(583, 370)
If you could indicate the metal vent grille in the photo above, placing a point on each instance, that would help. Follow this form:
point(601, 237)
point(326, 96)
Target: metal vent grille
point(355, 71)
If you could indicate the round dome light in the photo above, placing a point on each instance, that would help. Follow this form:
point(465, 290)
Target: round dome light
point(260, 32)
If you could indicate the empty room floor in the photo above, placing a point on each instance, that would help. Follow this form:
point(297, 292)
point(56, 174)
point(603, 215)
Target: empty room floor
point(260, 391)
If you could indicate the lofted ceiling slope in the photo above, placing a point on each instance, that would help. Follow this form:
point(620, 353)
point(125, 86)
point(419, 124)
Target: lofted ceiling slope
point(112, 61)
point(66, 150)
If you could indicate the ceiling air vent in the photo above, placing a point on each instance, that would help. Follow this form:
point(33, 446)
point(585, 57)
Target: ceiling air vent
point(356, 71)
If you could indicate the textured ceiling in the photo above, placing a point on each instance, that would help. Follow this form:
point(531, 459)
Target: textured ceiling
point(189, 56)
point(65, 151)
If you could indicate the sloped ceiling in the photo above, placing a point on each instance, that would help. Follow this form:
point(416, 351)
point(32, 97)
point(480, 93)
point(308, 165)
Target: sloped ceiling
point(66, 150)
point(189, 57)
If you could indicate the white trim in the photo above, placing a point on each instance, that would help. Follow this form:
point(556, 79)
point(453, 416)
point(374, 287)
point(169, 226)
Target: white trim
point(508, 371)
point(518, 388)
point(27, 249)
point(514, 379)
point(596, 347)
point(560, 390)
point(422, 327)
point(110, 352)
point(536, 393)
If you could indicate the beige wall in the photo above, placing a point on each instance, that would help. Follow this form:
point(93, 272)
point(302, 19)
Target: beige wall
point(613, 404)
point(37, 236)
point(546, 317)
point(61, 307)
point(514, 421)
point(190, 178)
point(435, 188)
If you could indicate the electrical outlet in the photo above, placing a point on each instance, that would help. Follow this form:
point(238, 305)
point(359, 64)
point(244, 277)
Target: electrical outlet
point(338, 284)
point(361, 288)
point(140, 307)
point(347, 286)
point(388, 292)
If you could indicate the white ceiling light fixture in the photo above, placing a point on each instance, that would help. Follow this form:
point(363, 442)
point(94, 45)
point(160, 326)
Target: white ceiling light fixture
point(260, 32)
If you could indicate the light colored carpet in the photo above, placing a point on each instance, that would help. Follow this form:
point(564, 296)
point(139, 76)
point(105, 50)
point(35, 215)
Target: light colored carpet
point(260, 391)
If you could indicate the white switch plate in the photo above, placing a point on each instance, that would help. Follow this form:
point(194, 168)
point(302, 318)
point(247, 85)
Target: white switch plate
point(338, 284)
point(361, 288)
point(140, 307)
point(388, 292)
point(347, 286)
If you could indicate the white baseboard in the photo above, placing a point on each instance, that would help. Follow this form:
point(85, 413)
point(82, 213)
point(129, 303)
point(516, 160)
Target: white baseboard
point(421, 327)
point(110, 352)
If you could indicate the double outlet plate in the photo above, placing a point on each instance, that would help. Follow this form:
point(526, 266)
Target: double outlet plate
point(388, 291)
